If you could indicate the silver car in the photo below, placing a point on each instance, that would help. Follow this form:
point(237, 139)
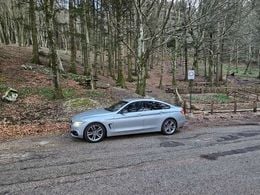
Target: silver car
point(129, 116)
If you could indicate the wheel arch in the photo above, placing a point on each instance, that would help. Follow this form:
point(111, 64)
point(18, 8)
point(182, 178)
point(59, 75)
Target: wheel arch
point(172, 119)
point(95, 122)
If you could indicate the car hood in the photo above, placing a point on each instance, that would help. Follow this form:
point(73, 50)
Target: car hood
point(91, 113)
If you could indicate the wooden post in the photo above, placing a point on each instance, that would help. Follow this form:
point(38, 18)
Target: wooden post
point(184, 107)
point(226, 91)
point(235, 106)
point(211, 107)
point(255, 106)
point(190, 85)
point(235, 102)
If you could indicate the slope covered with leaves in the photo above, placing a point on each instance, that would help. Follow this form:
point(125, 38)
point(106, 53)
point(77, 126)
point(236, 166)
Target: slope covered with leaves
point(35, 112)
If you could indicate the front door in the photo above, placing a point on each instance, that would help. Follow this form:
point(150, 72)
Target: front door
point(129, 120)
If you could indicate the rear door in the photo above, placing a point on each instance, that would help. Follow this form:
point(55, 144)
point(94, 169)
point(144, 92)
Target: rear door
point(154, 114)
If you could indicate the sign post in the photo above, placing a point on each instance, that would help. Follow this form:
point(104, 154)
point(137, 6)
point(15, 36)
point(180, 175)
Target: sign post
point(191, 77)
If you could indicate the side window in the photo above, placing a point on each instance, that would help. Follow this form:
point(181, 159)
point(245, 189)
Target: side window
point(148, 106)
point(134, 107)
point(156, 106)
point(164, 106)
point(160, 106)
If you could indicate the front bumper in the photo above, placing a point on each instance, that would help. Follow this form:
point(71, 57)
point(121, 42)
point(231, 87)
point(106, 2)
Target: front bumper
point(76, 131)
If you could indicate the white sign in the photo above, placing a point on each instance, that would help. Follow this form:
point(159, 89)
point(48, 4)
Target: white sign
point(191, 74)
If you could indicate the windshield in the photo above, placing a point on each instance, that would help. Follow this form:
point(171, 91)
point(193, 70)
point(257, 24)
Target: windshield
point(116, 106)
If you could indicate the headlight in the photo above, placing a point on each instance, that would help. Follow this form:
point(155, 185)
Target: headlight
point(76, 124)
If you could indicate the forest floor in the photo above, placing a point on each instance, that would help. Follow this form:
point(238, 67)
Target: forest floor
point(36, 113)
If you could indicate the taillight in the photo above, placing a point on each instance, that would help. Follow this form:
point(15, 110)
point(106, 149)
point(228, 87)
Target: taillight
point(182, 112)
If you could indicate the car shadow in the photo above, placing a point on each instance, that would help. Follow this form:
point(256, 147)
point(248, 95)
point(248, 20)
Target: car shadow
point(124, 137)
point(135, 136)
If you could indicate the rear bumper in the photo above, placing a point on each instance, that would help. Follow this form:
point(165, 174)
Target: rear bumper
point(181, 122)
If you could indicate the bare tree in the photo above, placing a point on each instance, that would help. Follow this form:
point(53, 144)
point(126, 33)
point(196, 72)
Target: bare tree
point(35, 58)
point(150, 27)
point(72, 30)
point(49, 10)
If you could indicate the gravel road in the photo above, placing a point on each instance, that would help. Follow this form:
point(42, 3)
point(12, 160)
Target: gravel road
point(222, 160)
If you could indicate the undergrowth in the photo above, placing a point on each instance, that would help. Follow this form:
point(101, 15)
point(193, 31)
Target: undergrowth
point(46, 92)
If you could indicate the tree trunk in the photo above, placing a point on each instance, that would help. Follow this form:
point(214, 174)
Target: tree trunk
point(161, 75)
point(258, 61)
point(1, 35)
point(101, 38)
point(185, 22)
point(196, 60)
point(221, 60)
point(95, 32)
point(88, 70)
point(185, 54)
point(141, 76)
point(120, 75)
point(230, 59)
point(161, 70)
point(174, 63)
point(218, 54)
point(237, 57)
point(141, 59)
point(72, 30)
point(129, 57)
point(210, 59)
point(205, 60)
point(110, 47)
point(49, 19)
point(35, 58)
point(120, 72)
point(249, 58)
point(5, 32)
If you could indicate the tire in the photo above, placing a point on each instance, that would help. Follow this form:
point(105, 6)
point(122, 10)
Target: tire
point(94, 132)
point(169, 126)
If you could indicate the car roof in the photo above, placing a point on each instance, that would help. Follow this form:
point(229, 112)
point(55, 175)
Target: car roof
point(139, 99)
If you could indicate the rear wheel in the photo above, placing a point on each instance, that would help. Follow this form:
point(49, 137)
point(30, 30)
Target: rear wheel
point(169, 126)
point(94, 132)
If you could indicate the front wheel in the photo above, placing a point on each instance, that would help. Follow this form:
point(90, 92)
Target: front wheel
point(94, 132)
point(169, 126)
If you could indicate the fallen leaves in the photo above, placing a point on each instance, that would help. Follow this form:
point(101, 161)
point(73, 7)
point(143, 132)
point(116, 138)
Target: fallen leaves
point(8, 131)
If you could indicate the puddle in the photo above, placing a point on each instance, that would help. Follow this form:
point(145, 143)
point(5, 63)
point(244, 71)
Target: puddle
point(237, 136)
point(228, 138)
point(42, 143)
point(249, 134)
point(171, 144)
point(214, 156)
